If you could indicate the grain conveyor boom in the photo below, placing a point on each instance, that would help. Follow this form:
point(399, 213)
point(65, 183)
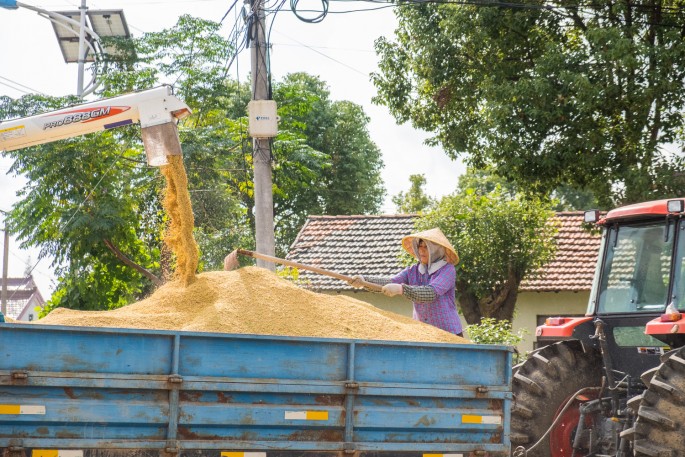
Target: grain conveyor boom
point(157, 110)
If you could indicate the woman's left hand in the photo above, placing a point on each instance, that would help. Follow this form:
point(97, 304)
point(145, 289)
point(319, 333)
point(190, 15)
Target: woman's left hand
point(392, 289)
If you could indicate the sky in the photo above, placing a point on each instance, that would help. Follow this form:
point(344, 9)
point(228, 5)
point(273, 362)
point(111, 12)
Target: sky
point(339, 50)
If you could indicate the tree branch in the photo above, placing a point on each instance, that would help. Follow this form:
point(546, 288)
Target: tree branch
point(128, 262)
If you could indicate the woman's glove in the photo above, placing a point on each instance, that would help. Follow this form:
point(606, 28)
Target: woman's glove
point(356, 281)
point(392, 289)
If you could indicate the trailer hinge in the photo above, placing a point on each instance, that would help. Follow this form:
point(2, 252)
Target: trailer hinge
point(172, 447)
point(175, 379)
point(349, 448)
point(482, 389)
point(15, 448)
point(352, 385)
point(479, 453)
point(20, 375)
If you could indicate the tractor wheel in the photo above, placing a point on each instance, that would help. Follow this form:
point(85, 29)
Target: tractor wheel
point(659, 429)
point(542, 385)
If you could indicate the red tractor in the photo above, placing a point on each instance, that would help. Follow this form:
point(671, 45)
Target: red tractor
point(612, 383)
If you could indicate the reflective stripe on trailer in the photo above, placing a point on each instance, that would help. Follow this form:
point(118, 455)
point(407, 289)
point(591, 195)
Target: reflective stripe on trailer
point(443, 455)
point(243, 454)
point(22, 409)
point(307, 415)
point(476, 419)
point(56, 453)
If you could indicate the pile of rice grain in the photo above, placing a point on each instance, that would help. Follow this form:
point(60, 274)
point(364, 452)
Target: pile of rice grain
point(254, 300)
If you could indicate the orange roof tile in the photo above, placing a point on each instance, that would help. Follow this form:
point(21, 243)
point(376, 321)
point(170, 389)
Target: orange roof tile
point(370, 245)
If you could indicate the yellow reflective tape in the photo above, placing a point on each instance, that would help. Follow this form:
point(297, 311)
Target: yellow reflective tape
point(22, 409)
point(471, 419)
point(243, 454)
point(9, 129)
point(317, 415)
point(443, 455)
point(45, 453)
point(56, 453)
point(10, 409)
point(476, 419)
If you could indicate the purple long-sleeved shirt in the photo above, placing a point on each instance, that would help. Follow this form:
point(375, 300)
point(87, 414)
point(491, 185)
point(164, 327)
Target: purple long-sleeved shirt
point(442, 312)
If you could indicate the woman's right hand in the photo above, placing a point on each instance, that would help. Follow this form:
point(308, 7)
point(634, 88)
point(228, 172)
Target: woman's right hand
point(356, 281)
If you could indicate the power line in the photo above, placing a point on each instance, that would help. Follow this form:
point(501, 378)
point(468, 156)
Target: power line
point(20, 85)
point(324, 55)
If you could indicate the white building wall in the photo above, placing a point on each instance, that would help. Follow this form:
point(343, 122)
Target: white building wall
point(530, 305)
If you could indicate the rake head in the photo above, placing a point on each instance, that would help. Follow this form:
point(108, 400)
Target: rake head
point(231, 261)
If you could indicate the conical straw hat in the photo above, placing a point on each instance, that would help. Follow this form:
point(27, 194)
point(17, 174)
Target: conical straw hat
point(436, 236)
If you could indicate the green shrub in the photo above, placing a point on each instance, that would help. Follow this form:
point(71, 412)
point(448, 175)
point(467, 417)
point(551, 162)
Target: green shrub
point(492, 331)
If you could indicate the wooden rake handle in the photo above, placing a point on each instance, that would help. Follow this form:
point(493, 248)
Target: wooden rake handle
point(367, 285)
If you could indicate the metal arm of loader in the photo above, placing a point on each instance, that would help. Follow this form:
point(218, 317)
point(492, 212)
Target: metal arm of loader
point(156, 109)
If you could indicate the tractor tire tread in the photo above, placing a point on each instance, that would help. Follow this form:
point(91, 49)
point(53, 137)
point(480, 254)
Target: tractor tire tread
point(543, 383)
point(658, 429)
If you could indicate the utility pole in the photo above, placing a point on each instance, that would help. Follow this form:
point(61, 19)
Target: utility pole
point(81, 48)
point(263, 193)
point(5, 260)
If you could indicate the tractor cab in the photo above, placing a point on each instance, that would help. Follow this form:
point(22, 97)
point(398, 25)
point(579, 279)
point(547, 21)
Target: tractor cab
point(639, 277)
point(611, 383)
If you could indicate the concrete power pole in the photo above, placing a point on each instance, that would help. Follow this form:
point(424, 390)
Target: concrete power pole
point(263, 193)
point(81, 48)
point(5, 260)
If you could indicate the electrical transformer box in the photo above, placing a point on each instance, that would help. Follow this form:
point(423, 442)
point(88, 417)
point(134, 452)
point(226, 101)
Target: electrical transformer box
point(263, 119)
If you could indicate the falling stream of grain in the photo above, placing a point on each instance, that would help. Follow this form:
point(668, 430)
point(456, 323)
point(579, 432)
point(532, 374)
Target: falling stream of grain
point(179, 235)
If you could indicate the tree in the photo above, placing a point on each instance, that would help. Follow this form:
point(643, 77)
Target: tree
point(77, 208)
point(500, 242)
point(415, 200)
point(590, 95)
point(484, 181)
point(564, 197)
point(93, 204)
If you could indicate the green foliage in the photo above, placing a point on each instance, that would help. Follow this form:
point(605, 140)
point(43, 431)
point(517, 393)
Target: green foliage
point(500, 241)
point(492, 331)
point(549, 95)
point(486, 180)
point(87, 197)
point(74, 200)
point(415, 200)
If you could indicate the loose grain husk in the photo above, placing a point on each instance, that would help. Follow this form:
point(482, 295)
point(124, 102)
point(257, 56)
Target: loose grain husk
point(253, 300)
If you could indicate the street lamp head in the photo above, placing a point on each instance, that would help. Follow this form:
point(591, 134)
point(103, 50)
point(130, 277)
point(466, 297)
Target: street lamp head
point(9, 4)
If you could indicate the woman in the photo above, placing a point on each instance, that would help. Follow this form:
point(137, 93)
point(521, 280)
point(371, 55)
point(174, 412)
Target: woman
point(430, 283)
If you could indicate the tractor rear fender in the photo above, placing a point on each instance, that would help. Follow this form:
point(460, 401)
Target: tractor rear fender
point(670, 332)
point(558, 327)
point(659, 327)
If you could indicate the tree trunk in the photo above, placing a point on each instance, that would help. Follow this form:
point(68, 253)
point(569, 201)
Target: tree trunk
point(128, 262)
point(500, 304)
point(468, 304)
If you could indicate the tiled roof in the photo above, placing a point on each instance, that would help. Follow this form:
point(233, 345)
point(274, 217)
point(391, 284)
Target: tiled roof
point(21, 292)
point(574, 264)
point(350, 245)
point(370, 245)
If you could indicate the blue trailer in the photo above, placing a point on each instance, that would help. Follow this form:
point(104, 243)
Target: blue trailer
point(75, 391)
